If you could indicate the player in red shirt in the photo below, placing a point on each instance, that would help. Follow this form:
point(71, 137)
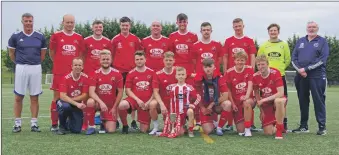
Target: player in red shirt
point(183, 100)
point(232, 45)
point(140, 93)
point(269, 93)
point(155, 46)
point(162, 84)
point(105, 82)
point(214, 91)
point(205, 48)
point(64, 46)
point(73, 89)
point(125, 44)
point(93, 45)
point(239, 81)
point(181, 43)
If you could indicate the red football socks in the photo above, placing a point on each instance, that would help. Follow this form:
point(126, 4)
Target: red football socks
point(54, 113)
point(90, 115)
point(223, 118)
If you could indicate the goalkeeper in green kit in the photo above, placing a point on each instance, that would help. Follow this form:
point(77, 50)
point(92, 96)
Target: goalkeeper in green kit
point(278, 54)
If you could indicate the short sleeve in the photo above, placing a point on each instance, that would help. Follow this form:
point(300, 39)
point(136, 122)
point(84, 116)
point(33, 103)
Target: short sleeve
point(129, 81)
point(250, 74)
point(12, 41)
point(255, 79)
point(63, 85)
point(85, 86)
point(52, 42)
point(194, 52)
point(92, 79)
point(43, 42)
point(155, 81)
point(226, 48)
point(138, 44)
point(228, 77)
point(120, 81)
point(253, 48)
point(81, 46)
point(219, 50)
point(278, 79)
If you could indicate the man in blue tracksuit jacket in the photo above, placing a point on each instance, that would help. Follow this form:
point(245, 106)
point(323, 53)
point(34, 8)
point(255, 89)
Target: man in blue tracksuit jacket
point(309, 59)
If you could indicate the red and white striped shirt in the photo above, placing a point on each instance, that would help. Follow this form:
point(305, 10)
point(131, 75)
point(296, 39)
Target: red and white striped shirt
point(181, 97)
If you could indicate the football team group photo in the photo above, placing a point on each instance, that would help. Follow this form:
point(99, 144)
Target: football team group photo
point(171, 87)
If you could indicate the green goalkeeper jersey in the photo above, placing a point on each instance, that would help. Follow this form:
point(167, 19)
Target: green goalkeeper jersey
point(278, 54)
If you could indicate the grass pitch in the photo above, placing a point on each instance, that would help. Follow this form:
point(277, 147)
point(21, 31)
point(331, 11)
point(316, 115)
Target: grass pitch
point(46, 142)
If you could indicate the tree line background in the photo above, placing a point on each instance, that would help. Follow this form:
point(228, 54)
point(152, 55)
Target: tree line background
point(112, 28)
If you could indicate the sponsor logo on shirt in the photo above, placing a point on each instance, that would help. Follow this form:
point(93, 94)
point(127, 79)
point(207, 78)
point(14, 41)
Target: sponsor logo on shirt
point(105, 89)
point(68, 50)
point(236, 50)
point(274, 55)
point(142, 85)
point(95, 54)
point(156, 52)
point(182, 48)
point(241, 88)
point(75, 93)
point(206, 55)
point(266, 90)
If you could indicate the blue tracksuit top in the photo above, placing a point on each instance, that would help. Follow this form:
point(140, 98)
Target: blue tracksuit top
point(312, 56)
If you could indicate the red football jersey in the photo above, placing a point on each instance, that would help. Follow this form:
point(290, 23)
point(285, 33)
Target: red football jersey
point(92, 52)
point(202, 51)
point(140, 83)
point(182, 96)
point(165, 82)
point(74, 87)
point(66, 47)
point(239, 81)
point(268, 85)
point(233, 45)
point(154, 50)
point(106, 85)
point(123, 51)
point(181, 46)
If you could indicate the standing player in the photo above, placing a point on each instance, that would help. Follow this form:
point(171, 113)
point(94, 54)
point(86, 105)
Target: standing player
point(163, 82)
point(269, 93)
point(154, 46)
point(181, 106)
point(64, 46)
point(234, 44)
point(239, 81)
point(125, 44)
point(213, 88)
point(27, 49)
point(205, 48)
point(278, 54)
point(106, 81)
point(73, 92)
point(181, 43)
point(93, 45)
point(139, 91)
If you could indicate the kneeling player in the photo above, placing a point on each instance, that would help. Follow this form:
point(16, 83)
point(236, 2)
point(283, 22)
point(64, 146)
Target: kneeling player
point(139, 91)
point(213, 88)
point(269, 92)
point(162, 84)
point(73, 91)
point(239, 81)
point(180, 107)
point(104, 84)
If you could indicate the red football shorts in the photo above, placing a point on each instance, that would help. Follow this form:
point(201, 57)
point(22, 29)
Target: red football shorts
point(106, 115)
point(239, 115)
point(207, 118)
point(56, 82)
point(143, 115)
point(269, 113)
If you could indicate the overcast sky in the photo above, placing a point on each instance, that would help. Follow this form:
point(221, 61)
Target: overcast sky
point(291, 16)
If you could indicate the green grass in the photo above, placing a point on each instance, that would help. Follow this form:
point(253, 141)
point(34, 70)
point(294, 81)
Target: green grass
point(45, 142)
